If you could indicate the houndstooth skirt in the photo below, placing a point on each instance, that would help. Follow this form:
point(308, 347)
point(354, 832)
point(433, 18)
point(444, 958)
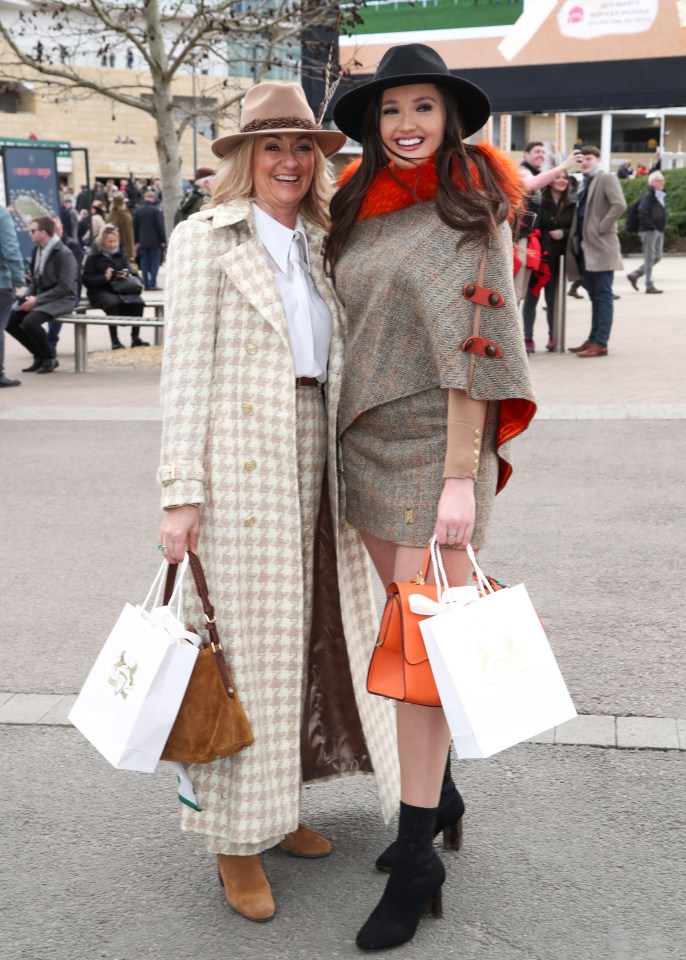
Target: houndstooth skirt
point(393, 459)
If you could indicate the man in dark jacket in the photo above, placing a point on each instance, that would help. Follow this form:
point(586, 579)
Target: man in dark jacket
point(652, 222)
point(51, 293)
point(68, 217)
point(196, 196)
point(150, 238)
point(84, 198)
point(77, 250)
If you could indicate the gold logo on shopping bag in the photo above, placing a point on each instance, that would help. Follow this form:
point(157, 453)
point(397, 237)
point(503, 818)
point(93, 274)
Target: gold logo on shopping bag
point(121, 677)
point(502, 661)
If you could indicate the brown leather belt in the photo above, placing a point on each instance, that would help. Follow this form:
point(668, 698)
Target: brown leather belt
point(307, 382)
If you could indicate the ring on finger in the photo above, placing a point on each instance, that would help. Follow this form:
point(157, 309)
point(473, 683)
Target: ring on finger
point(452, 536)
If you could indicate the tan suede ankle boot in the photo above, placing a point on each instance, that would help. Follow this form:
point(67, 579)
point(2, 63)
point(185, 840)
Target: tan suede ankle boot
point(246, 887)
point(304, 842)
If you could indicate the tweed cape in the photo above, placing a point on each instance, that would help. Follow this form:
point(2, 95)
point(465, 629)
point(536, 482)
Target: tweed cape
point(229, 401)
point(402, 282)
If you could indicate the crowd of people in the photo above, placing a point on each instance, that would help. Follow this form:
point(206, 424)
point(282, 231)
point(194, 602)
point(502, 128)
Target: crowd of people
point(109, 239)
point(577, 218)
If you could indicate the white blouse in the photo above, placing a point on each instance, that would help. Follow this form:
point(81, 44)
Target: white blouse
point(310, 325)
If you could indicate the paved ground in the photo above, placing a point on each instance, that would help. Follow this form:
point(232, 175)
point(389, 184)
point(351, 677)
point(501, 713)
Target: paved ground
point(574, 844)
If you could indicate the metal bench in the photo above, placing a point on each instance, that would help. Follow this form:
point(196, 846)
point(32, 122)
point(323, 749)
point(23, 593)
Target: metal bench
point(82, 320)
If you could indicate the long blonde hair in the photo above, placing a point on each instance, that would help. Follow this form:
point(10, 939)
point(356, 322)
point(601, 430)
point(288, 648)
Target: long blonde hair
point(234, 181)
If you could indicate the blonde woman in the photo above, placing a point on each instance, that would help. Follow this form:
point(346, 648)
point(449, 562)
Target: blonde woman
point(251, 372)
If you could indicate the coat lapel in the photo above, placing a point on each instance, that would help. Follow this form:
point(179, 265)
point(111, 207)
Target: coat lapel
point(247, 269)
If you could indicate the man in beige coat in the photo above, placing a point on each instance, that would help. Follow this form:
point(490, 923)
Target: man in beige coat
point(594, 247)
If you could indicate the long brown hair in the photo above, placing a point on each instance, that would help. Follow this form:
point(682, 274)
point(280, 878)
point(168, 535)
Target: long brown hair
point(477, 206)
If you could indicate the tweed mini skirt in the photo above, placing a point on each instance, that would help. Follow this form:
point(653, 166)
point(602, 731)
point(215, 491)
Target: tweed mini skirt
point(393, 459)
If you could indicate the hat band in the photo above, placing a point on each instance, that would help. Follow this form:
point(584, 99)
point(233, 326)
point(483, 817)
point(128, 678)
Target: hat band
point(279, 123)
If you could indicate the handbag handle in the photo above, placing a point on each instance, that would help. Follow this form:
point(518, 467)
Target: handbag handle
point(433, 552)
point(156, 589)
point(193, 560)
point(481, 577)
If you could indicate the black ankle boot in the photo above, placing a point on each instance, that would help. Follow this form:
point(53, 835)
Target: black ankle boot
point(36, 365)
point(448, 820)
point(413, 889)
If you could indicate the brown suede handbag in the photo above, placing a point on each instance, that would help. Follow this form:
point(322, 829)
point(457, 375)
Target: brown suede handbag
point(211, 722)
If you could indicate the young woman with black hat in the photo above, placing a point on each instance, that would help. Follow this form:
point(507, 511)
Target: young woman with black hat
point(420, 246)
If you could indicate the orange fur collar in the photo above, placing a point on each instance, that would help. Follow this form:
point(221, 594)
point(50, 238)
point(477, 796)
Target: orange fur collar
point(403, 187)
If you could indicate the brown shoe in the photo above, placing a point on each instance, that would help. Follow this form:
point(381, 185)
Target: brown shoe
point(304, 842)
point(593, 350)
point(583, 346)
point(653, 290)
point(246, 887)
point(632, 280)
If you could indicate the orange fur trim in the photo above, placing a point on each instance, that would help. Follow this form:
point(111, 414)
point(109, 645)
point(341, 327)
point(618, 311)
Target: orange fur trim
point(396, 188)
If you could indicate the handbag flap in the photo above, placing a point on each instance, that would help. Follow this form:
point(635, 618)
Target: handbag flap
point(413, 642)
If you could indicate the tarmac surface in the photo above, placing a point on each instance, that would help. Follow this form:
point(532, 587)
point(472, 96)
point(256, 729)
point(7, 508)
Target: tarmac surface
point(574, 844)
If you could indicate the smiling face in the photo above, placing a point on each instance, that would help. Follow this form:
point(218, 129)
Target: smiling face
point(561, 182)
point(535, 156)
point(412, 123)
point(282, 170)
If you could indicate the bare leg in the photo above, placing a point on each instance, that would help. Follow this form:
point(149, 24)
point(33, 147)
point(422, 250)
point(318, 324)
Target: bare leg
point(382, 553)
point(423, 733)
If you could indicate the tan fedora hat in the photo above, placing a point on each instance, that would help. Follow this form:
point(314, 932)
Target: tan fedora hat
point(272, 107)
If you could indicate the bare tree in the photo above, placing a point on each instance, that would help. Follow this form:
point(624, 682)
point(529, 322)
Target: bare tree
point(225, 40)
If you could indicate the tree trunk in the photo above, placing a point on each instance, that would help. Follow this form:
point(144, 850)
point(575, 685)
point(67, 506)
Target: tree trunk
point(166, 142)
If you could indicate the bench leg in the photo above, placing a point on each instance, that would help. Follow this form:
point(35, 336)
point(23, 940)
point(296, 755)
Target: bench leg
point(159, 336)
point(80, 348)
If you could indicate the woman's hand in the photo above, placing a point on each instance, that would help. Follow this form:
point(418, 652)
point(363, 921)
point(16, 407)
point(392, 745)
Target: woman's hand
point(108, 273)
point(556, 234)
point(456, 513)
point(179, 531)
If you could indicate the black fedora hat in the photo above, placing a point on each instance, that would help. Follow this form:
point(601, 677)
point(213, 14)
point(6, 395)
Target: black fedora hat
point(401, 66)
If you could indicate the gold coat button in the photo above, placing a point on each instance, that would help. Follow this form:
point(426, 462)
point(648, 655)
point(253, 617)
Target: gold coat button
point(249, 521)
point(251, 348)
point(250, 464)
point(247, 407)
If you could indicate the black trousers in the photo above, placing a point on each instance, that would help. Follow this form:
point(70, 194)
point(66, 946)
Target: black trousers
point(27, 328)
point(126, 310)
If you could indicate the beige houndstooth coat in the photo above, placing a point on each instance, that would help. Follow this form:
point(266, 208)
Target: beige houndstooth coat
point(229, 445)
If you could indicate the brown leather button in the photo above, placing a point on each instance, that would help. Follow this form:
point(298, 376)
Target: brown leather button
point(493, 299)
point(468, 344)
point(469, 290)
point(490, 350)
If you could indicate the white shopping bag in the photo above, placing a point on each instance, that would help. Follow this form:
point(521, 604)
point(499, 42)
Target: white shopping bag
point(496, 675)
point(131, 697)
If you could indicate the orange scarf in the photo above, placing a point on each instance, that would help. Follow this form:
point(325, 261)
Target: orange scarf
point(395, 188)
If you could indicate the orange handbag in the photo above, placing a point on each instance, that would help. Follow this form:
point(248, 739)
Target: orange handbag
point(400, 667)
